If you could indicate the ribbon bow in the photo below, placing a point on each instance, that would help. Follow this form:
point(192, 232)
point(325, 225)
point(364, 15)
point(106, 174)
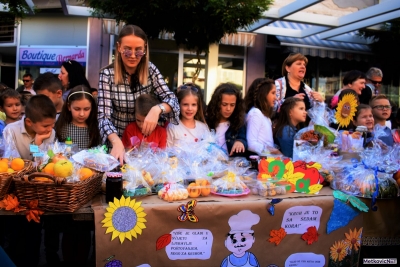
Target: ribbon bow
point(188, 211)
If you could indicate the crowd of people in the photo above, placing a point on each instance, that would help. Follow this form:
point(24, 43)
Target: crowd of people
point(133, 102)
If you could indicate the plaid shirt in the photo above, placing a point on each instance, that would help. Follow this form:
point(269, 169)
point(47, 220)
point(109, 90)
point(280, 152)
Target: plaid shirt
point(117, 102)
point(79, 135)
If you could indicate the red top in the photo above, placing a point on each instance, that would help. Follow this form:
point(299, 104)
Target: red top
point(158, 136)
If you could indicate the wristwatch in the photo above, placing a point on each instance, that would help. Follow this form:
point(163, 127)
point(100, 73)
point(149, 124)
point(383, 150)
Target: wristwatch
point(161, 106)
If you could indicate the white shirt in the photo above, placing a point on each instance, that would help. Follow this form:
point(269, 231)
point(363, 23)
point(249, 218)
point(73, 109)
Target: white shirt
point(220, 134)
point(180, 133)
point(259, 131)
point(30, 91)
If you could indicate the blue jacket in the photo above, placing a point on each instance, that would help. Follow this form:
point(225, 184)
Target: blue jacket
point(285, 142)
point(232, 136)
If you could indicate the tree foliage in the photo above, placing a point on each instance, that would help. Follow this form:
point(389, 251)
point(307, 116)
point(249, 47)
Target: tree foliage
point(16, 8)
point(195, 23)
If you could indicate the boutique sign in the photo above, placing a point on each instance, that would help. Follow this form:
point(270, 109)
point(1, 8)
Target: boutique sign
point(51, 56)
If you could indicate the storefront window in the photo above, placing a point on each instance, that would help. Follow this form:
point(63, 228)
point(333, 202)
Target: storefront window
point(231, 70)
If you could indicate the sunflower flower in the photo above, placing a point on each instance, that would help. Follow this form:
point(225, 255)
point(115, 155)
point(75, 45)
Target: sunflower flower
point(353, 239)
point(338, 250)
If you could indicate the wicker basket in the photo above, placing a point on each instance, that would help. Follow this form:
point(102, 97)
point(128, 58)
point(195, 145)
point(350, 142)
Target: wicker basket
point(6, 179)
point(57, 195)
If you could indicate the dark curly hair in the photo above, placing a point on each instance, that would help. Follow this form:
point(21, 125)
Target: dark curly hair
point(213, 115)
point(284, 116)
point(257, 96)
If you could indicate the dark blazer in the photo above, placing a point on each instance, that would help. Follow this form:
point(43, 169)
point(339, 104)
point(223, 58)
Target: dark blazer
point(232, 136)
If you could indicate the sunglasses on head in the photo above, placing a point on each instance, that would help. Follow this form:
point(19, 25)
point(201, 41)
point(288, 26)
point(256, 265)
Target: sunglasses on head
point(129, 53)
point(25, 81)
point(186, 86)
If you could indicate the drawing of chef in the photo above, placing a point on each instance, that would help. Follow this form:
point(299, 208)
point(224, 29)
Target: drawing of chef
point(240, 239)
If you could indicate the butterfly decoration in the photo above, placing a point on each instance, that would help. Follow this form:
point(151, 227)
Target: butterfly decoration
point(188, 212)
point(271, 205)
point(354, 201)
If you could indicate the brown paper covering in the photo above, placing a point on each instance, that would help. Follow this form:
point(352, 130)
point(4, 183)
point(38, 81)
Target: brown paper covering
point(214, 213)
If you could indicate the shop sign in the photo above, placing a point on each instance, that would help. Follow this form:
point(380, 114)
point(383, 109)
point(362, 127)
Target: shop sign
point(50, 56)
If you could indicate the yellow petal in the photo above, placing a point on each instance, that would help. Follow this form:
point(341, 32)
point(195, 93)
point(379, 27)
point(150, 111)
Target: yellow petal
point(110, 229)
point(110, 209)
point(133, 233)
point(112, 205)
point(108, 224)
point(122, 201)
point(138, 230)
point(141, 225)
point(137, 205)
point(132, 204)
point(128, 235)
point(127, 201)
point(140, 209)
point(289, 166)
point(314, 188)
point(115, 234)
point(108, 214)
point(116, 202)
point(122, 237)
point(106, 220)
point(315, 165)
point(141, 220)
point(141, 215)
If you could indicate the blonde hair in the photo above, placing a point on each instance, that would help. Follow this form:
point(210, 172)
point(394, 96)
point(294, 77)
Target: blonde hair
point(142, 69)
point(290, 60)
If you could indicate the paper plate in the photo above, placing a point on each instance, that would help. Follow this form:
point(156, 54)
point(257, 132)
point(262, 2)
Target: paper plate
point(245, 192)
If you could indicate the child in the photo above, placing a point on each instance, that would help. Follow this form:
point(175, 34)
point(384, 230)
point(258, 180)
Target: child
point(292, 114)
point(10, 104)
point(143, 104)
point(78, 119)
point(49, 85)
point(259, 102)
point(35, 129)
point(225, 114)
point(364, 117)
point(381, 109)
point(191, 127)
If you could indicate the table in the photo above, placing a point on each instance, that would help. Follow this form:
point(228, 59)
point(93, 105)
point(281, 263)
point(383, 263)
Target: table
point(214, 215)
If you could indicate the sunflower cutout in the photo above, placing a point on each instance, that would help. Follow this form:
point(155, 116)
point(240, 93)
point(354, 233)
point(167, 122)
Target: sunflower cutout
point(124, 218)
point(346, 110)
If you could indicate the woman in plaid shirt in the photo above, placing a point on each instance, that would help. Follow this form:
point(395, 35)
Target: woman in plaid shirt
point(122, 82)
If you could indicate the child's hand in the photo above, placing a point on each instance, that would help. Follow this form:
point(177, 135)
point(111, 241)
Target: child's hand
point(238, 147)
point(118, 150)
point(151, 120)
point(40, 137)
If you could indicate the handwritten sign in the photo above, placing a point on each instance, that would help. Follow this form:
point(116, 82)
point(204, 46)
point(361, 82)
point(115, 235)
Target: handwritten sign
point(297, 219)
point(305, 260)
point(190, 244)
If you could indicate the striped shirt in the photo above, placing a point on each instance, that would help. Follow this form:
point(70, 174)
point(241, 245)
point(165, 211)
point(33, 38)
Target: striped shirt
point(116, 103)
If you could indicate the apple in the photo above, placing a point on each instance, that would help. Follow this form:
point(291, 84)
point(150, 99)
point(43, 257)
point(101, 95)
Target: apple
point(57, 157)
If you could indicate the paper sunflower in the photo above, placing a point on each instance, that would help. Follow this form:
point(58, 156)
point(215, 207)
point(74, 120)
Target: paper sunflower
point(124, 218)
point(346, 110)
point(338, 250)
point(353, 239)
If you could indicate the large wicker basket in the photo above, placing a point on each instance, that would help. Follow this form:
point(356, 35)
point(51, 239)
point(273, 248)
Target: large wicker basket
point(57, 195)
point(6, 179)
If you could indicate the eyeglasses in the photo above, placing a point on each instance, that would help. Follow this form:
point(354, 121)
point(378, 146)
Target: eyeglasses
point(381, 107)
point(376, 82)
point(25, 81)
point(129, 53)
point(186, 86)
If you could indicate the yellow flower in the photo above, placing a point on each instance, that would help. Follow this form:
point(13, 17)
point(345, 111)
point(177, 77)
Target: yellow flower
point(313, 189)
point(353, 239)
point(338, 250)
point(124, 218)
point(230, 177)
point(346, 109)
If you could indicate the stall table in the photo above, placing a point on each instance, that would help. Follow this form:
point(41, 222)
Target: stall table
point(214, 212)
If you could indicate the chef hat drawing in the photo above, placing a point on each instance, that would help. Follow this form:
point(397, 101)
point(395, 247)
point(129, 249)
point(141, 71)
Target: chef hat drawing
point(243, 221)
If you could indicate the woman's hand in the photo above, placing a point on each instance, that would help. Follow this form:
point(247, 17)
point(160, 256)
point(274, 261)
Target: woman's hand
point(301, 96)
point(118, 150)
point(237, 147)
point(151, 120)
point(317, 96)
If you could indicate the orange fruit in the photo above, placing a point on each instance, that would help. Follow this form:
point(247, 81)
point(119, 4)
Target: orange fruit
point(43, 179)
point(49, 168)
point(17, 164)
point(3, 166)
point(84, 173)
point(5, 160)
